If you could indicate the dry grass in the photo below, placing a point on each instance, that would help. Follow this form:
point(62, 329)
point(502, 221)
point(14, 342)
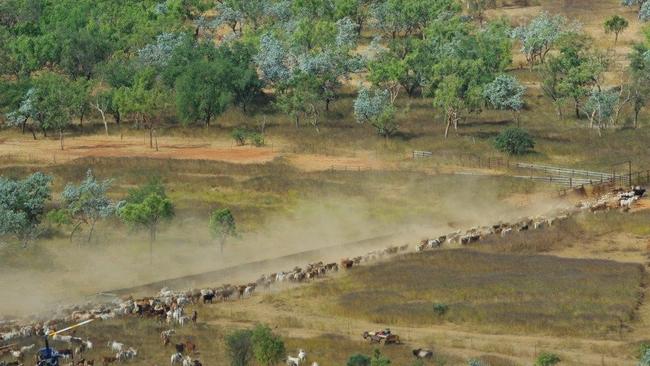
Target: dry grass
point(494, 292)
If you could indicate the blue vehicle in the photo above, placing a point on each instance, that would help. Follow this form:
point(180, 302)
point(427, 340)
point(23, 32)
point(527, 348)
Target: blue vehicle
point(48, 356)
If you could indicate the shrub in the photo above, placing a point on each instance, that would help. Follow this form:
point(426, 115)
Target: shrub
point(240, 347)
point(268, 348)
point(358, 360)
point(475, 362)
point(514, 141)
point(378, 359)
point(256, 138)
point(440, 309)
point(644, 355)
point(58, 217)
point(547, 359)
point(239, 135)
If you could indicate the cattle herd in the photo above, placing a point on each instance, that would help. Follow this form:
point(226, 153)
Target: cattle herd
point(168, 306)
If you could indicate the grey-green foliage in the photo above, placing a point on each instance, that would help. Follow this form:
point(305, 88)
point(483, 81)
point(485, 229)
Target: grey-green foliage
point(87, 202)
point(376, 110)
point(644, 13)
point(644, 360)
point(22, 205)
point(601, 106)
point(505, 93)
point(475, 362)
point(540, 34)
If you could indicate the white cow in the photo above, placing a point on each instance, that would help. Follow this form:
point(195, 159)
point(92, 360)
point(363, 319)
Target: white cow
point(176, 359)
point(115, 346)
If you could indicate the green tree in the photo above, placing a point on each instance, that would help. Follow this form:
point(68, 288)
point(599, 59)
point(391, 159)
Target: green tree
point(87, 203)
point(143, 100)
point(574, 71)
point(222, 225)
point(547, 359)
point(204, 90)
point(268, 348)
point(240, 347)
point(639, 70)
point(378, 359)
point(644, 355)
point(615, 24)
point(147, 209)
point(514, 141)
point(358, 360)
point(22, 205)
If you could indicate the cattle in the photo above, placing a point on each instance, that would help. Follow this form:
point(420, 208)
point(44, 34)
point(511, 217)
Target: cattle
point(190, 347)
point(422, 353)
point(176, 359)
point(195, 316)
point(180, 347)
point(346, 263)
point(126, 355)
point(115, 346)
point(106, 360)
point(66, 353)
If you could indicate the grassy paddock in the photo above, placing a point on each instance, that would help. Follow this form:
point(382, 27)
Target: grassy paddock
point(144, 335)
point(496, 292)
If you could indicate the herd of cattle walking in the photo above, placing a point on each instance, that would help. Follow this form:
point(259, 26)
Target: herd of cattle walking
point(168, 306)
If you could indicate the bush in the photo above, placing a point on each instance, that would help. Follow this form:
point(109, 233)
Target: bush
point(256, 138)
point(440, 309)
point(240, 347)
point(475, 362)
point(644, 355)
point(239, 135)
point(514, 141)
point(358, 360)
point(547, 359)
point(59, 217)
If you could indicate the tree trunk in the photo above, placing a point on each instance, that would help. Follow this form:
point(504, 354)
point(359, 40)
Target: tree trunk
point(616, 39)
point(636, 117)
point(447, 127)
point(327, 105)
point(152, 238)
point(33, 133)
point(117, 117)
point(92, 229)
point(61, 138)
point(81, 119)
point(297, 121)
point(577, 106)
point(151, 137)
point(24, 125)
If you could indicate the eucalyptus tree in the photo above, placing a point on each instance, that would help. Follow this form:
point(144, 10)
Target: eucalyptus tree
point(639, 70)
point(222, 226)
point(505, 92)
point(48, 105)
point(574, 71)
point(377, 110)
point(147, 207)
point(143, 100)
point(87, 203)
point(463, 60)
point(600, 108)
point(539, 36)
point(615, 24)
point(204, 91)
point(22, 205)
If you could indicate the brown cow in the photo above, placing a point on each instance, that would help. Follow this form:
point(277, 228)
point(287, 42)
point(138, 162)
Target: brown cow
point(106, 360)
point(190, 347)
point(346, 263)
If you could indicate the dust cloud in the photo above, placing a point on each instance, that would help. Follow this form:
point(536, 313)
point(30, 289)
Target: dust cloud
point(61, 272)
